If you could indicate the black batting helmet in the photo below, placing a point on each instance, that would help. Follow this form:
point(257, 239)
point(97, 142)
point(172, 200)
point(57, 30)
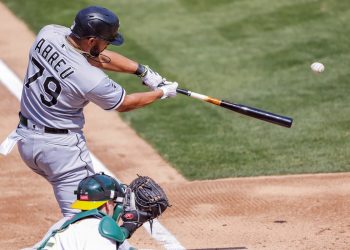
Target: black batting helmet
point(96, 21)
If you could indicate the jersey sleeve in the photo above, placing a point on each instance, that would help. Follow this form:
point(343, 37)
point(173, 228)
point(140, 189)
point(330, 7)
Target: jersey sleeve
point(107, 94)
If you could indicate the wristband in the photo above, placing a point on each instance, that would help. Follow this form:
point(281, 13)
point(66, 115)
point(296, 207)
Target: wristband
point(141, 70)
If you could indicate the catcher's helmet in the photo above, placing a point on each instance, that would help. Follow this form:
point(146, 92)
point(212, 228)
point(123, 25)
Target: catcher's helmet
point(95, 190)
point(96, 21)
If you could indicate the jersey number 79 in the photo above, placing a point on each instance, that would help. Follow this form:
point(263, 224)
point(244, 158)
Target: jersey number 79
point(50, 79)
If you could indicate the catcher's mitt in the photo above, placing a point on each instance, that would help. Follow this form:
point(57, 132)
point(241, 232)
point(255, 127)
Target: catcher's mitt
point(149, 196)
point(144, 201)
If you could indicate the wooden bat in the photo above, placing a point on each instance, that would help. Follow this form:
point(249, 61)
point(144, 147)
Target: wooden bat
point(242, 109)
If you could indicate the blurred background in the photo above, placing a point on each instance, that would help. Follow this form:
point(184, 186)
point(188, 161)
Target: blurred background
point(253, 52)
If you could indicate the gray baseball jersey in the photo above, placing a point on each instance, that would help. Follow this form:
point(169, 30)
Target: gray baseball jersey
point(60, 82)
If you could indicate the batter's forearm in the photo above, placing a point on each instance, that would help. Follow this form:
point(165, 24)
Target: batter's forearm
point(139, 100)
point(112, 61)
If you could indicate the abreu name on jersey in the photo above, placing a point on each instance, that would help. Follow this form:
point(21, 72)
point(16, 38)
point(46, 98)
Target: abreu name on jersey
point(51, 55)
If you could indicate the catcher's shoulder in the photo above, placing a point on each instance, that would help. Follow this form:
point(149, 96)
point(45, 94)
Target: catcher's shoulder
point(111, 230)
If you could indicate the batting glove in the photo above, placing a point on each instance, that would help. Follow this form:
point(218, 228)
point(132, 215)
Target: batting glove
point(149, 77)
point(169, 89)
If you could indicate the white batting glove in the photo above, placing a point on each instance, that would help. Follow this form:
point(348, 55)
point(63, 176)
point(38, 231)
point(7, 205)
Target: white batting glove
point(169, 89)
point(151, 78)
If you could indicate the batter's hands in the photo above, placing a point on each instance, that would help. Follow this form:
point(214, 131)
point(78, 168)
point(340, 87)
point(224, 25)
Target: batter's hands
point(169, 89)
point(151, 78)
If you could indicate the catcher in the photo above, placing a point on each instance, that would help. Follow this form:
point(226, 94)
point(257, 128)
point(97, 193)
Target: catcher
point(103, 201)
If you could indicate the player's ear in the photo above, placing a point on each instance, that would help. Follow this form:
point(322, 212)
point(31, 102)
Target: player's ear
point(92, 41)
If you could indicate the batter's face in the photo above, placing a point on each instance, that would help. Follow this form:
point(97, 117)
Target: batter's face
point(96, 46)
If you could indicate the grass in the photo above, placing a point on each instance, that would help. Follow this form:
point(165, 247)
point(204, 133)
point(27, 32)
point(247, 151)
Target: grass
point(255, 52)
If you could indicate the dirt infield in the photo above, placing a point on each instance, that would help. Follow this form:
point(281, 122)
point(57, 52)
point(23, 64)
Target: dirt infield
point(287, 212)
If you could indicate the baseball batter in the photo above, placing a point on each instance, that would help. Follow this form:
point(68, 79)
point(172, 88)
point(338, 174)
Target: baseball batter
point(64, 74)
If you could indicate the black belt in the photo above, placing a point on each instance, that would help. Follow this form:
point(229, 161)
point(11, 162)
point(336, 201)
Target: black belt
point(24, 121)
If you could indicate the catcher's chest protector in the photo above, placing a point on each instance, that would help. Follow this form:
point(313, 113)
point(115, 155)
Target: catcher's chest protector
point(108, 228)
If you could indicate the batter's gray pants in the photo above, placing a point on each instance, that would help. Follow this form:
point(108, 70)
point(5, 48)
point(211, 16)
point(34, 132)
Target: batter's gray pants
point(62, 159)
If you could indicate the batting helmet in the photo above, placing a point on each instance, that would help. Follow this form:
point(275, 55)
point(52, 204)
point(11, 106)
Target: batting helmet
point(96, 21)
point(95, 190)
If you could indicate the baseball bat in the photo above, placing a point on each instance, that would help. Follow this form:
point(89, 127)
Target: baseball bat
point(242, 109)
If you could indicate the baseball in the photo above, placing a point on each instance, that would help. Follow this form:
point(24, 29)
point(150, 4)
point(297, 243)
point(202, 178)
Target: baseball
point(317, 67)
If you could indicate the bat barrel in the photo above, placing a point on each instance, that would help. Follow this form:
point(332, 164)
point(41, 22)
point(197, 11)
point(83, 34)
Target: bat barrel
point(242, 109)
point(258, 114)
